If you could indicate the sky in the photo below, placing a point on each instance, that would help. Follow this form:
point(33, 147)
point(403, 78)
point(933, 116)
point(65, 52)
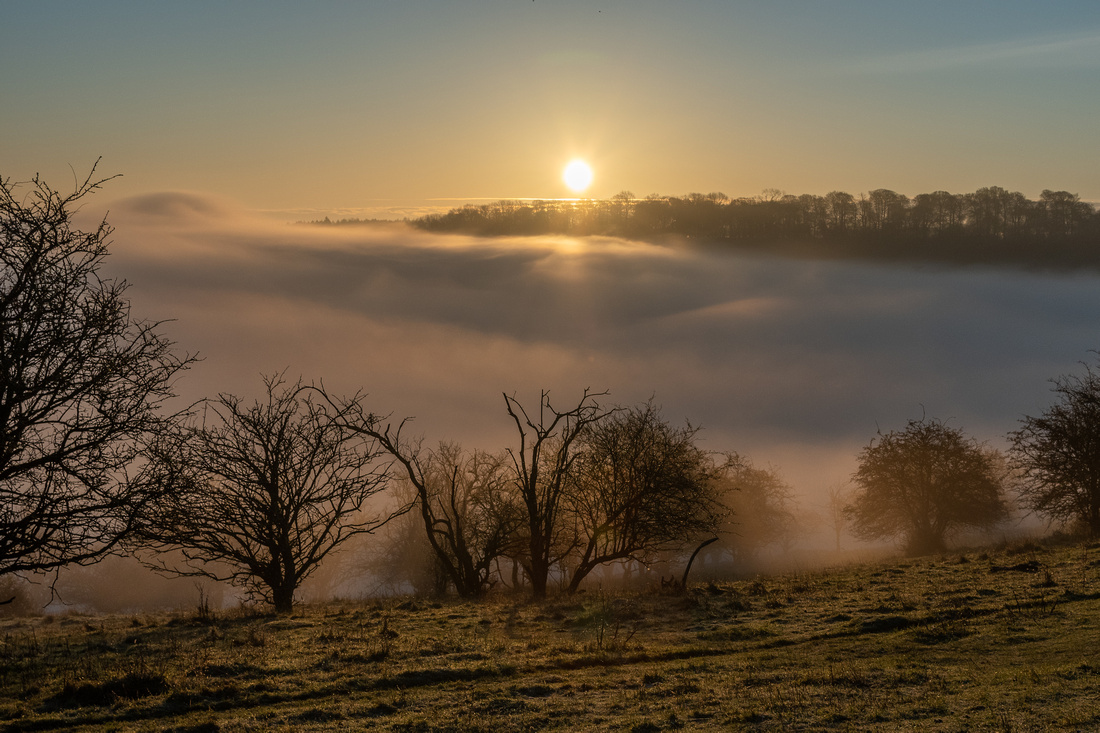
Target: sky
point(384, 107)
point(226, 121)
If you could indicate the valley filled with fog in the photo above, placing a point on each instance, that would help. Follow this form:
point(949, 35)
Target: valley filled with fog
point(794, 363)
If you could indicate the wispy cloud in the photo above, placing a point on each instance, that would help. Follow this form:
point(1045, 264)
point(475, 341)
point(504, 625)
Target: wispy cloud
point(1078, 50)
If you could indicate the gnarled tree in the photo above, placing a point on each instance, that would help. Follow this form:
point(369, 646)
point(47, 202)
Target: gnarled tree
point(469, 510)
point(924, 482)
point(260, 494)
point(82, 384)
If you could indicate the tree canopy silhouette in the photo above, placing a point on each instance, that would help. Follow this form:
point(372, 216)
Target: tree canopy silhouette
point(924, 482)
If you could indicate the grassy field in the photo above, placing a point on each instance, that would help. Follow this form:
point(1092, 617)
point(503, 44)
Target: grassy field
point(1005, 640)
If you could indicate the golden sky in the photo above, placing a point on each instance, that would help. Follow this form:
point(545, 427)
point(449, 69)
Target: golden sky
point(367, 106)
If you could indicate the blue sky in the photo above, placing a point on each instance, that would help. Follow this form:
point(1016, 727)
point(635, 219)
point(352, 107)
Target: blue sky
point(346, 105)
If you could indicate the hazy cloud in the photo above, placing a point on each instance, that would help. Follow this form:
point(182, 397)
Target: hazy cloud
point(793, 362)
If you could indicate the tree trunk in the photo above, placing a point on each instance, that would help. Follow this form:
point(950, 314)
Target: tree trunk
point(684, 580)
point(470, 587)
point(516, 579)
point(579, 575)
point(539, 572)
point(283, 598)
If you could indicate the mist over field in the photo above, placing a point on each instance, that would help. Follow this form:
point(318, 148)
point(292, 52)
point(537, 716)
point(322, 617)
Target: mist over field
point(794, 363)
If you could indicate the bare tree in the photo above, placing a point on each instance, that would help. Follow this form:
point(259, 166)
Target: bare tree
point(471, 512)
point(1058, 454)
point(82, 384)
point(642, 487)
point(477, 508)
point(466, 502)
point(401, 560)
point(761, 507)
point(544, 463)
point(260, 494)
point(924, 482)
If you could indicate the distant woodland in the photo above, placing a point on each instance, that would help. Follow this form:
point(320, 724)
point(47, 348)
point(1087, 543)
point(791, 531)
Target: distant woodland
point(990, 225)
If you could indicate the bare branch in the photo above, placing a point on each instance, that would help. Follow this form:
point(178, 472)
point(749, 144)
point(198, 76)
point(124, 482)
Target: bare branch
point(82, 384)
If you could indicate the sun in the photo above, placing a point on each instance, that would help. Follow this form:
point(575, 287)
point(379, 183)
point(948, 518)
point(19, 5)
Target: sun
point(577, 175)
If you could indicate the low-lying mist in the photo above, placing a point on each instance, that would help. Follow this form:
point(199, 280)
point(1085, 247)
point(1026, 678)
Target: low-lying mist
point(793, 363)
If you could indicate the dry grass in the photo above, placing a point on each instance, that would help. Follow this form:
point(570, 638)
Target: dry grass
point(1003, 641)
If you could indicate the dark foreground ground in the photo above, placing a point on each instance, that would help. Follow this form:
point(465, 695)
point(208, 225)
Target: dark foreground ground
point(1004, 640)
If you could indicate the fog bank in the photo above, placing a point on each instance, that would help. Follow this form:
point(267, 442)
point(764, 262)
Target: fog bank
point(792, 362)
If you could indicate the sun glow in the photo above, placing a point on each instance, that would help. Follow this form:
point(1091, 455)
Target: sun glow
point(577, 175)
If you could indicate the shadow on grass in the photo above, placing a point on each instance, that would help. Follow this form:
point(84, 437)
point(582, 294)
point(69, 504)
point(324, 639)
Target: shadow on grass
point(133, 686)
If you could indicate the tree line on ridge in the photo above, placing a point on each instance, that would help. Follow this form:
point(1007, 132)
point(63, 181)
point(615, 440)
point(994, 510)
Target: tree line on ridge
point(989, 224)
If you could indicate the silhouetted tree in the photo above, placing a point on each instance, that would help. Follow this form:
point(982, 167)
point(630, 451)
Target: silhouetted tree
point(815, 214)
point(544, 463)
point(1058, 454)
point(937, 213)
point(1065, 213)
point(260, 494)
point(466, 501)
point(841, 210)
point(922, 483)
point(470, 510)
point(968, 223)
point(642, 487)
point(883, 209)
point(993, 212)
point(82, 383)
